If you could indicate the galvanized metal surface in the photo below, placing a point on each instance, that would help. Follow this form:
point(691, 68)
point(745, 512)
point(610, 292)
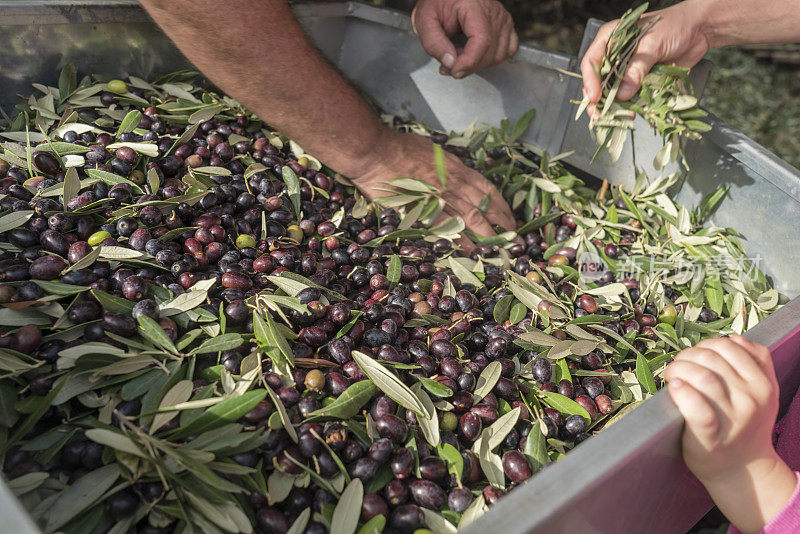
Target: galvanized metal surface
point(630, 477)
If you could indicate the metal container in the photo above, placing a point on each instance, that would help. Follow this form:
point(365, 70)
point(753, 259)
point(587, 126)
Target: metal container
point(628, 478)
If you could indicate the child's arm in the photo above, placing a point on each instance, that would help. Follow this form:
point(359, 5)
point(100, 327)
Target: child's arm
point(727, 392)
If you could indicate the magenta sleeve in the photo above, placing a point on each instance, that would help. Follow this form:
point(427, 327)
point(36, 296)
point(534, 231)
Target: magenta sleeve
point(787, 521)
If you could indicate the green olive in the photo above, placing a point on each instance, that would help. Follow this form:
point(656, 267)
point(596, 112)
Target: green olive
point(245, 241)
point(449, 422)
point(668, 315)
point(98, 237)
point(117, 86)
point(534, 277)
point(295, 233)
point(315, 381)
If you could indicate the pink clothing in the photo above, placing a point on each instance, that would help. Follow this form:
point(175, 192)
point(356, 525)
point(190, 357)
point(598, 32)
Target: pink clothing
point(787, 444)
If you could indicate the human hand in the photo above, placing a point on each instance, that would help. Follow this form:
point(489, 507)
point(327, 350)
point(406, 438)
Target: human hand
point(727, 391)
point(728, 394)
point(677, 38)
point(411, 156)
point(491, 38)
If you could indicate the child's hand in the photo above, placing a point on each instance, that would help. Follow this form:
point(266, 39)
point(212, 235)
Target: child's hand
point(727, 391)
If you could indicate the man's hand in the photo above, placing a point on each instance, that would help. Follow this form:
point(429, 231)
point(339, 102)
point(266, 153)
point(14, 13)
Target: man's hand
point(491, 38)
point(327, 118)
point(677, 38)
point(728, 394)
point(411, 156)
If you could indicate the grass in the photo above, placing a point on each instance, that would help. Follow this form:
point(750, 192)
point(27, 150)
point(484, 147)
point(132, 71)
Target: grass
point(757, 97)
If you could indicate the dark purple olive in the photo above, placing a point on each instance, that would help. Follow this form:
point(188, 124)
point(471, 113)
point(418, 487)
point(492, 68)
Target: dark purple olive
point(516, 467)
point(83, 312)
point(392, 427)
point(406, 519)
point(427, 494)
point(541, 369)
point(312, 335)
point(588, 404)
point(364, 468)
point(373, 505)
point(565, 388)
point(46, 162)
point(47, 267)
point(441, 348)
point(134, 288)
point(496, 348)
point(396, 493)
point(78, 250)
point(487, 413)
point(339, 350)
point(491, 494)
point(593, 386)
point(236, 280)
point(432, 468)
point(381, 450)
point(459, 499)
point(575, 424)
point(462, 401)
point(336, 383)
point(271, 521)
point(121, 505)
point(119, 324)
point(402, 463)
point(469, 426)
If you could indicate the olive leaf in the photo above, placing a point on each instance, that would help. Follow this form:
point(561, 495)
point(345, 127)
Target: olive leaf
point(112, 302)
point(299, 525)
point(491, 464)
point(452, 457)
point(486, 381)
point(79, 496)
point(180, 392)
point(518, 312)
point(147, 149)
point(565, 405)
point(390, 384)
point(224, 412)
point(434, 387)
point(272, 341)
point(394, 270)
point(292, 188)
point(437, 523)
point(348, 403)
point(502, 308)
point(112, 179)
point(536, 445)
point(14, 220)
point(644, 375)
point(428, 425)
point(373, 526)
point(463, 274)
point(219, 343)
point(183, 302)
point(348, 509)
point(130, 122)
point(152, 331)
point(501, 428)
point(473, 511)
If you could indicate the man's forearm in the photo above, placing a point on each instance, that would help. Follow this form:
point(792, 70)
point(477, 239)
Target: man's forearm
point(256, 52)
point(739, 22)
